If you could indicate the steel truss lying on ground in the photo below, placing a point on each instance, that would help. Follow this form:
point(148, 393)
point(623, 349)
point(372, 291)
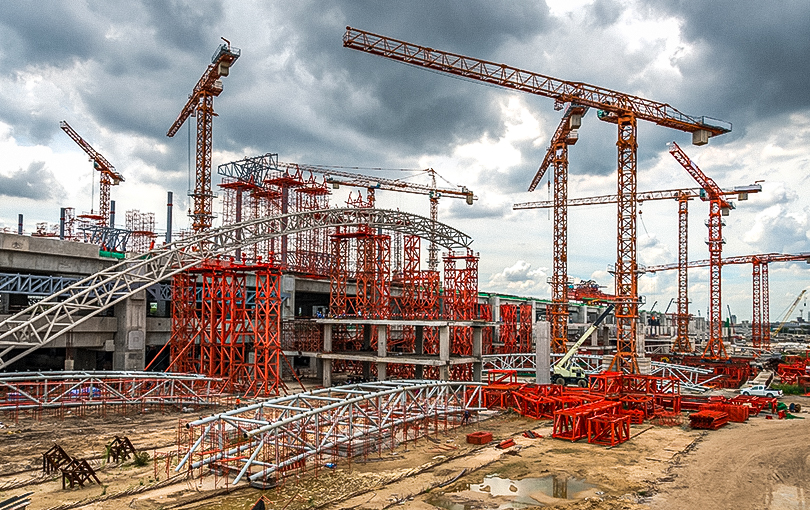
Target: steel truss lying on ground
point(56, 314)
point(46, 390)
point(526, 362)
point(688, 376)
point(264, 440)
point(592, 364)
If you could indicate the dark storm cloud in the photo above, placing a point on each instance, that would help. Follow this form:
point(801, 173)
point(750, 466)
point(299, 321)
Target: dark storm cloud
point(52, 33)
point(407, 111)
point(185, 24)
point(459, 210)
point(35, 182)
point(753, 57)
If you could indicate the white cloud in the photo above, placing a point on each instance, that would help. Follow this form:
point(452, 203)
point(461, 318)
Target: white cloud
point(520, 279)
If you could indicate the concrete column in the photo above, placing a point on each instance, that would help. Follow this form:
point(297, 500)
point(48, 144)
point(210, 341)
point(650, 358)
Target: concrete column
point(444, 353)
point(130, 338)
point(382, 349)
point(478, 365)
point(640, 350)
point(495, 303)
point(326, 365)
point(288, 295)
point(542, 341)
point(644, 365)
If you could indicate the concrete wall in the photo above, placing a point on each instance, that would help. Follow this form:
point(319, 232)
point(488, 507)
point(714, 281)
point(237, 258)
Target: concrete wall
point(43, 255)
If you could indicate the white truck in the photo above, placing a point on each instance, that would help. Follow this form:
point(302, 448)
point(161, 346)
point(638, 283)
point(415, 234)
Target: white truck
point(760, 390)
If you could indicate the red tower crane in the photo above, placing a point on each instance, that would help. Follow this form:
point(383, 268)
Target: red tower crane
point(338, 175)
point(201, 104)
point(108, 176)
point(557, 155)
point(760, 316)
point(718, 206)
point(683, 196)
point(615, 107)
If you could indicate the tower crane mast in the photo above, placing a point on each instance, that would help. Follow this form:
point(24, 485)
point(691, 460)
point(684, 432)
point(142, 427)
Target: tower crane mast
point(683, 196)
point(615, 107)
point(201, 104)
point(108, 176)
point(760, 320)
point(718, 206)
point(337, 175)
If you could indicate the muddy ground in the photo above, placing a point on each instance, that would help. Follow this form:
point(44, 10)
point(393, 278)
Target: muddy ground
point(761, 464)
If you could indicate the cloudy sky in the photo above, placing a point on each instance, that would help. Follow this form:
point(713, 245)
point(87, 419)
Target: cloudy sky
point(119, 73)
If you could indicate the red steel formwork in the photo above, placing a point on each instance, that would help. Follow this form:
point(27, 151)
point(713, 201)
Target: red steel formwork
point(227, 337)
point(372, 275)
point(266, 202)
point(142, 231)
point(525, 331)
point(312, 246)
point(266, 322)
point(184, 340)
point(460, 299)
point(608, 429)
point(408, 305)
point(282, 182)
point(572, 423)
point(509, 329)
point(485, 314)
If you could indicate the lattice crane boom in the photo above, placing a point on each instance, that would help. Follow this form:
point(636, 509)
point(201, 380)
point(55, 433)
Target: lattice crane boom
point(740, 259)
point(786, 318)
point(337, 175)
point(566, 133)
point(615, 107)
point(561, 91)
point(108, 176)
point(201, 103)
point(641, 196)
point(760, 321)
point(718, 206)
point(557, 156)
point(713, 191)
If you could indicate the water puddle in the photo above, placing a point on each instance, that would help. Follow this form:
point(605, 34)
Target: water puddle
point(521, 493)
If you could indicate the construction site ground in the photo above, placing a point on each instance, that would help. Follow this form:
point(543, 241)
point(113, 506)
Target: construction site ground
point(761, 464)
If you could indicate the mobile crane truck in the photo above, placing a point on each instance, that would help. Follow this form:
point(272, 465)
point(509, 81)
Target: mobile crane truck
point(566, 371)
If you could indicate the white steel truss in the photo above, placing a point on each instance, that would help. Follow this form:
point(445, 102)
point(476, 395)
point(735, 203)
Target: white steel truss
point(263, 439)
point(59, 313)
point(33, 390)
point(592, 364)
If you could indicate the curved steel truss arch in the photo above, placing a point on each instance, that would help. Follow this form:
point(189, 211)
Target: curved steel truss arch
point(59, 313)
point(284, 432)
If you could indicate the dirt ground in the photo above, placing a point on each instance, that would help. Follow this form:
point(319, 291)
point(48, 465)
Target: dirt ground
point(761, 464)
